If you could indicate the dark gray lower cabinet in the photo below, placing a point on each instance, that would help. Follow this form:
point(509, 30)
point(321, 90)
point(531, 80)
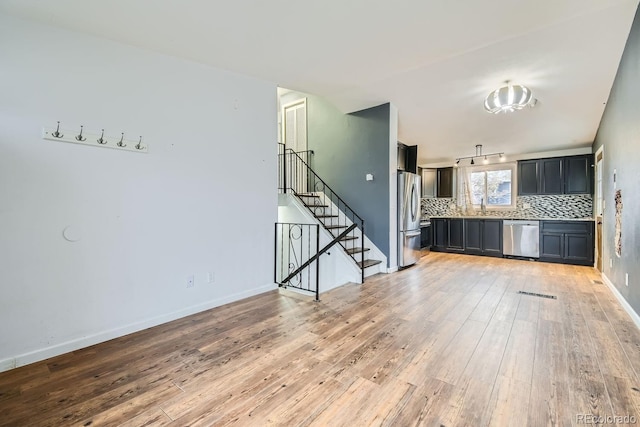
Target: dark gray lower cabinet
point(439, 233)
point(447, 234)
point(567, 242)
point(425, 236)
point(456, 234)
point(483, 237)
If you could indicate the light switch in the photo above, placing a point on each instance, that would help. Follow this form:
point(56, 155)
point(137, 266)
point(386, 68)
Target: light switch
point(369, 177)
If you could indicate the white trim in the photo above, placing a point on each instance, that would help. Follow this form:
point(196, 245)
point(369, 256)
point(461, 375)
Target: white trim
point(65, 347)
point(468, 170)
point(623, 302)
point(598, 199)
point(392, 269)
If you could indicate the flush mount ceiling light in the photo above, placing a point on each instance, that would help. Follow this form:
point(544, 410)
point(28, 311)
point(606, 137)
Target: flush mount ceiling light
point(485, 157)
point(508, 98)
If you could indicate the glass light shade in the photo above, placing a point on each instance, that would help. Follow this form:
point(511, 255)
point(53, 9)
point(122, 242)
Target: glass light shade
point(508, 98)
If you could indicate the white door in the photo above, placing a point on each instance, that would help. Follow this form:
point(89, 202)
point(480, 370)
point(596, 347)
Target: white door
point(294, 128)
point(294, 137)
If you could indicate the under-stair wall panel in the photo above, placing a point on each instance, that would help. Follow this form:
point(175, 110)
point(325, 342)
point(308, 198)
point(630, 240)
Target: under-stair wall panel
point(336, 267)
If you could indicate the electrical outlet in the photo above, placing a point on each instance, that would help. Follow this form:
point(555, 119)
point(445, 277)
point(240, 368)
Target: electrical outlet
point(626, 279)
point(610, 263)
point(191, 280)
point(211, 277)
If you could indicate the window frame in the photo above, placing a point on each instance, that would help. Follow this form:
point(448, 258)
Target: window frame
point(513, 166)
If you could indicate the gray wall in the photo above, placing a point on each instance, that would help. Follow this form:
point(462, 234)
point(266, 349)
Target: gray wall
point(347, 147)
point(619, 133)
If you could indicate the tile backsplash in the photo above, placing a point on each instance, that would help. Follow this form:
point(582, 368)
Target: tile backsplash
point(557, 206)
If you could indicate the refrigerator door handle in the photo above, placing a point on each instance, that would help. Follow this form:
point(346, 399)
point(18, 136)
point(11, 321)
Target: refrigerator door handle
point(412, 234)
point(413, 202)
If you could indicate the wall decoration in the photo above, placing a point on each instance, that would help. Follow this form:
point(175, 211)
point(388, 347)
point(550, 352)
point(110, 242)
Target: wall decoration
point(95, 139)
point(618, 235)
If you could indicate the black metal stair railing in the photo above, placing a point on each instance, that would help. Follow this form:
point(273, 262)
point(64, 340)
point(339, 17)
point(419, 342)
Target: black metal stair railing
point(336, 216)
point(297, 251)
point(296, 248)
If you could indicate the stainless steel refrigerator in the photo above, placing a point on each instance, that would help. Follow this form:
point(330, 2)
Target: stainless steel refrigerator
point(408, 218)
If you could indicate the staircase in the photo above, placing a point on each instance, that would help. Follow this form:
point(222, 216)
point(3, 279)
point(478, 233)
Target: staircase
point(330, 211)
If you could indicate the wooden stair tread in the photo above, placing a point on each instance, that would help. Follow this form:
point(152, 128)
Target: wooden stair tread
point(349, 238)
point(333, 227)
point(316, 206)
point(326, 216)
point(368, 263)
point(308, 195)
point(352, 251)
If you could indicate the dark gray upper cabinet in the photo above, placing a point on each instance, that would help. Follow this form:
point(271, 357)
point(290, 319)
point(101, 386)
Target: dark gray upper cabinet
point(446, 180)
point(407, 158)
point(557, 175)
point(528, 178)
point(412, 159)
point(402, 157)
point(429, 182)
point(551, 181)
point(578, 174)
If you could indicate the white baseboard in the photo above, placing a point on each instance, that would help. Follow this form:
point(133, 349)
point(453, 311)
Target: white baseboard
point(623, 302)
point(75, 344)
point(392, 269)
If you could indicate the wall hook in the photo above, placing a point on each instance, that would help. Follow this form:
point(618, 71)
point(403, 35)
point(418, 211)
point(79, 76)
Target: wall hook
point(101, 140)
point(57, 133)
point(121, 143)
point(80, 137)
point(139, 144)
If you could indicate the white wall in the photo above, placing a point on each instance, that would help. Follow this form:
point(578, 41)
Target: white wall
point(203, 200)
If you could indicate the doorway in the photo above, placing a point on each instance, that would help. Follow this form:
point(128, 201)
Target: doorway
point(599, 208)
point(294, 126)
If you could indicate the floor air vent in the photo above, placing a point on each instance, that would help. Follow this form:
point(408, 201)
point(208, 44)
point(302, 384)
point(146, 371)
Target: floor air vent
point(533, 294)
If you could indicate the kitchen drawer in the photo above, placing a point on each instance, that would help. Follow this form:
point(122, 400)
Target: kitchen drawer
point(566, 226)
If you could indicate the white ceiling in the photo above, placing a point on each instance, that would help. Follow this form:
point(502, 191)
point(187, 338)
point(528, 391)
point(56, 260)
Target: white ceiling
point(435, 60)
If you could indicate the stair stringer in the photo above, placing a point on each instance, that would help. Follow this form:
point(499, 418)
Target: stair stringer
point(336, 266)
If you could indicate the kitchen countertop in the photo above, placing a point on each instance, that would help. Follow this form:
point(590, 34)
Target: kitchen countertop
point(509, 218)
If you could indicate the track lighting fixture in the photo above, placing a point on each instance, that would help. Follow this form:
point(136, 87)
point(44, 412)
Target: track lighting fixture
point(479, 155)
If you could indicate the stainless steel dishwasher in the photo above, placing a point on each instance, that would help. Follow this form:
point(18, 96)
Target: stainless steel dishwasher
point(521, 238)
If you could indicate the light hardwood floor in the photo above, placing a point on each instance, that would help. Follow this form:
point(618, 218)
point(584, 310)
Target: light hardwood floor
point(448, 342)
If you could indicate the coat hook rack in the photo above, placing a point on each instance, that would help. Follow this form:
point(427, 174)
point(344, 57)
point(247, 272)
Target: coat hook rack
point(95, 140)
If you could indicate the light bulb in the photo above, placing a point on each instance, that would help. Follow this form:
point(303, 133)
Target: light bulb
point(485, 161)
